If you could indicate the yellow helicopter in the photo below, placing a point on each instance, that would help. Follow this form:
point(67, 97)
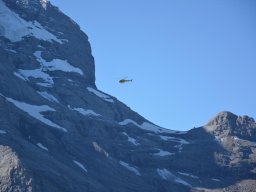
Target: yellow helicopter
point(125, 80)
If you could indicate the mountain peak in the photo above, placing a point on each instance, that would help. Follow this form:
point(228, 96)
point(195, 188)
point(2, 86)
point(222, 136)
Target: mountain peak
point(27, 3)
point(29, 9)
point(227, 123)
point(224, 117)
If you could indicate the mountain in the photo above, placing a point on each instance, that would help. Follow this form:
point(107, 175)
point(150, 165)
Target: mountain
point(59, 133)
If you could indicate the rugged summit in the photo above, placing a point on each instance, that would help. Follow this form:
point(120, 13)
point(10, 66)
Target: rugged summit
point(59, 133)
point(228, 124)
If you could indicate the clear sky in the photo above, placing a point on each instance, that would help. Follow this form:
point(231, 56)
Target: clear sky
point(189, 59)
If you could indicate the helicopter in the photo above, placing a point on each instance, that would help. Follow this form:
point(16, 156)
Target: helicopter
point(125, 80)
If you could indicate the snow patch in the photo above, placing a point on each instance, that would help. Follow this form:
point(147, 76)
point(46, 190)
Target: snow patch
point(131, 140)
point(177, 140)
point(146, 126)
point(40, 46)
point(47, 80)
point(236, 138)
point(86, 112)
point(163, 153)
point(164, 173)
point(11, 50)
point(35, 111)
point(128, 121)
point(42, 147)
point(174, 139)
point(20, 76)
point(189, 175)
point(57, 65)
point(80, 165)
point(101, 95)
point(48, 96)
point(179, 180)
point(151, 127)
point(2, 131)
point(99, 149)
point(217, 180)
point(180, 147)
point(20, 28)
point(37, 73)
point(167, 175)
point(130, 168)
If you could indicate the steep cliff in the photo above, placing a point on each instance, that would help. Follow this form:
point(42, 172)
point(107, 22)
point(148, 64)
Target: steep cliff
point(58, 132)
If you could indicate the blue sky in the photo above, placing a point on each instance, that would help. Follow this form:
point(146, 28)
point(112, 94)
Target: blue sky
point(188, 59)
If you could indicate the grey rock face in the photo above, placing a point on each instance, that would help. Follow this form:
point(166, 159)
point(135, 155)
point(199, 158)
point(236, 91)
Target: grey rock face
point(226, 123)
point(65, 40)
point(59, 133)
point(13, 176)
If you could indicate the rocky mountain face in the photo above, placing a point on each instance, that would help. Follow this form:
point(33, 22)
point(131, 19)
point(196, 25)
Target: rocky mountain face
point(59, 133)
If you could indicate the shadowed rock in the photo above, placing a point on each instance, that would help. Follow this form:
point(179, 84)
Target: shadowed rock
point(59, 133)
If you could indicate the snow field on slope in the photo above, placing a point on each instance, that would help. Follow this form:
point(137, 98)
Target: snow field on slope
point(48, 96)
point(167, 175)
point(85, 112)
point(189, 175)
point(100, 94)
point(162, 153)
point(36, 73)
point(146, 126)
point(35, 111)
point(42, 146)
point(2, 131)
point(80, 165)
point(130, 168)
point(57, 65)
point(47, 80)
point(21, 28)
point(174, 139)
point(130, 139)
